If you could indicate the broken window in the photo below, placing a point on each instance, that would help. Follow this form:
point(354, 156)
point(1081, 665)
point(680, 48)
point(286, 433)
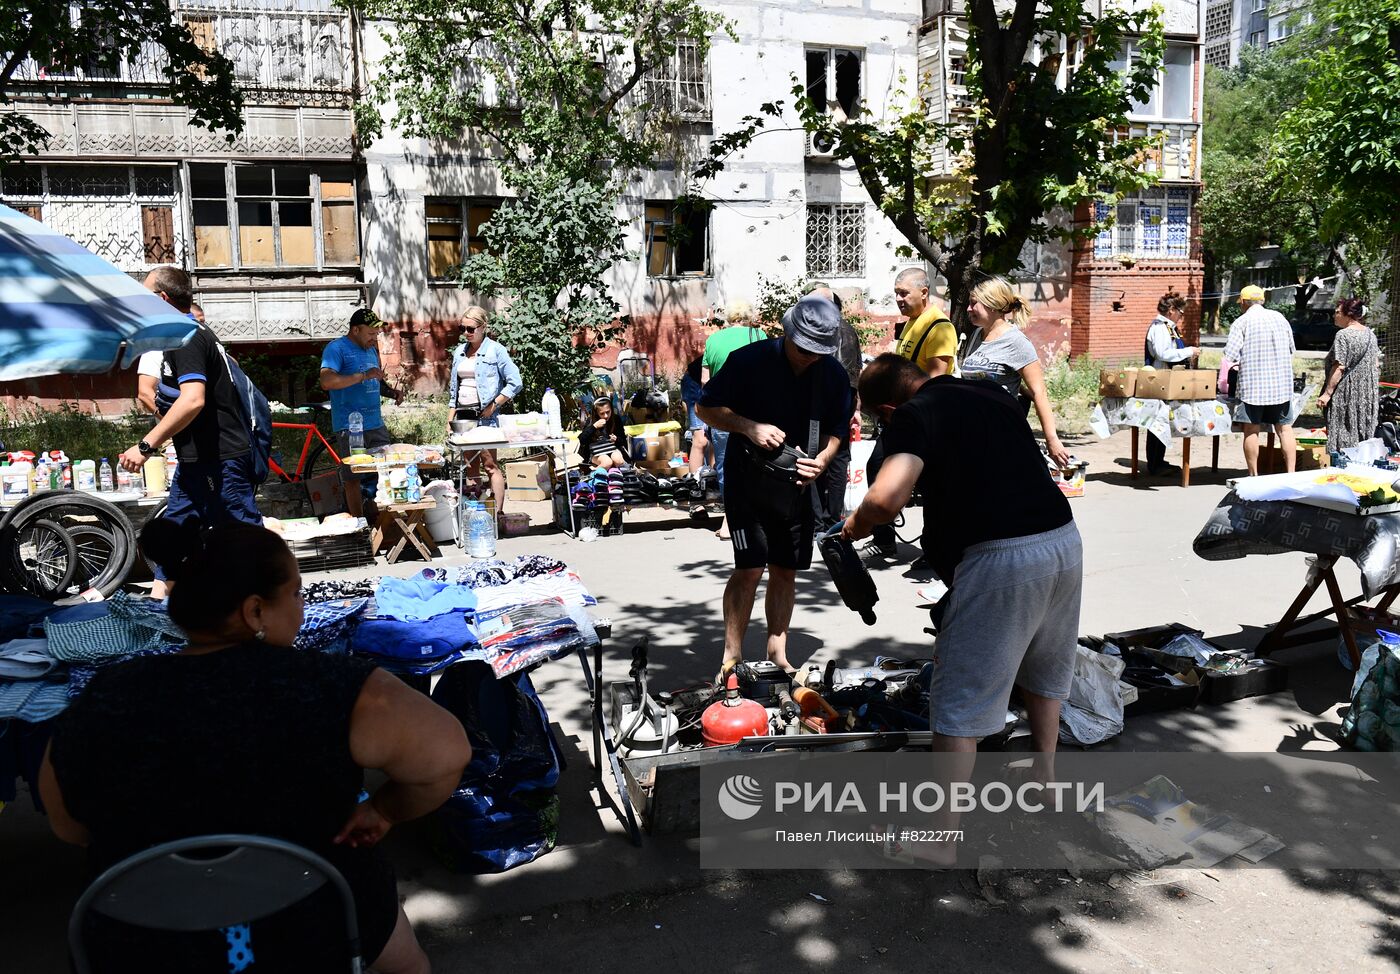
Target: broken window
point(833, 79)
point(680, 84)
point(455, 232)
point(282, 216)
point(677, 238)
point(836, 240)
point(158, 234)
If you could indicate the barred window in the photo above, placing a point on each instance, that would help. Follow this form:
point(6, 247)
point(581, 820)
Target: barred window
point(1155, 222)
point(836, 239)
point(680, 85)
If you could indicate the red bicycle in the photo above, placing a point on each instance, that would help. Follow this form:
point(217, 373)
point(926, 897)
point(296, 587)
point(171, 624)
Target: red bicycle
point(314, 448)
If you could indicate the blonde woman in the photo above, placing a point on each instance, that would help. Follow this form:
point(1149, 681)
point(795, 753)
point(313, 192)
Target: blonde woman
point(1007, 357)
point(482, 380)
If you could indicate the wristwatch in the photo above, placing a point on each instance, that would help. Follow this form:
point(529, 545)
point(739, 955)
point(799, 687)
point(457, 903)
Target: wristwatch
point(145, 448)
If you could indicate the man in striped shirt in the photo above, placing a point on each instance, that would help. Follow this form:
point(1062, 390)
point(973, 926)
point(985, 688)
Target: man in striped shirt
point(1261, 344)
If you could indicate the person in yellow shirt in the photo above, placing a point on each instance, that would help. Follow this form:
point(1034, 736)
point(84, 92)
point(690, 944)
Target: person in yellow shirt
point(928, 339)
point(930, 342)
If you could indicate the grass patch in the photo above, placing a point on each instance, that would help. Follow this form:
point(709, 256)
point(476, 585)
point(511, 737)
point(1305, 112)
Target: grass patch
point(1073, 388)
point(80, 435)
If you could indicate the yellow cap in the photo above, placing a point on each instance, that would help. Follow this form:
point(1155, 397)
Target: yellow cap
point(1253, 292)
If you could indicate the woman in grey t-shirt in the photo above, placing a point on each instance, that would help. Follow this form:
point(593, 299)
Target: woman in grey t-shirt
point(1007, 357)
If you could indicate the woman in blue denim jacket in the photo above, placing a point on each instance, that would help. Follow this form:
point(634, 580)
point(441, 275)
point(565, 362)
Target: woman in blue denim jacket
point(482, 380)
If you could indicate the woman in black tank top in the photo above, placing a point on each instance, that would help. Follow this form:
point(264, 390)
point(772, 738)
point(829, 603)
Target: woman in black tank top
point(240, 733)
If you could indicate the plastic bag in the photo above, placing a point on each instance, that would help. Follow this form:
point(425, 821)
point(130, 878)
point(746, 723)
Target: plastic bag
point(1094, 710)
point(1373, 721)
point(504, 812)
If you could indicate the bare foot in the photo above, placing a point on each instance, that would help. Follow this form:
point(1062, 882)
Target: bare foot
point(723, 532)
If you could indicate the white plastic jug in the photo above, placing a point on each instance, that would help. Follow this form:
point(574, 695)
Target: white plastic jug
point(549, 405)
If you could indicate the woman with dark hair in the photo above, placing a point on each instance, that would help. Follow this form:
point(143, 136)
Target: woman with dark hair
point(238, 732)
point(1163, 348)
point(1350, 400)
point(603, 440)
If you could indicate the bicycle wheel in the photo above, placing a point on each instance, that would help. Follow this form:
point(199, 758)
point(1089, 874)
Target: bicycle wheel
point(318, 462)
point(100, 565)
point(158, 511)
point(41, 559)
point(76, 510)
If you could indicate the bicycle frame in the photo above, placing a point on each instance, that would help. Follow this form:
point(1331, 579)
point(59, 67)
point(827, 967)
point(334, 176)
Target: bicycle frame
point(312, 431)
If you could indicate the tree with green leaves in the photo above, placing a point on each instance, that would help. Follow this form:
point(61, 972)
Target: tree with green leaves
point(1340, 145)
point(1047, 129)
point(96, 41)
point(557, 91)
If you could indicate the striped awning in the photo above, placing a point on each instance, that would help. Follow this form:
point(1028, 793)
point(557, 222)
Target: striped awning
point(63, 309)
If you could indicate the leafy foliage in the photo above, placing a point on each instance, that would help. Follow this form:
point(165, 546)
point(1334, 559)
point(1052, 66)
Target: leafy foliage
point(556, 91)
point(1038, 139)
point(105, 32)
point(1341, 143)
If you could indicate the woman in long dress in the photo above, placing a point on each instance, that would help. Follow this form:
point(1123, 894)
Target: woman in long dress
point(1350, 398)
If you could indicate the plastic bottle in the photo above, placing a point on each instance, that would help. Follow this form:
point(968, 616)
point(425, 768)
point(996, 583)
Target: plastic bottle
point(153, 475)
point(40, 479)
point(123, 479)
point(105, 480)
point(86, 477)
point(17, 483)
point(412, 485)
point(481, 532)
point(357, 432)
point(549, 405)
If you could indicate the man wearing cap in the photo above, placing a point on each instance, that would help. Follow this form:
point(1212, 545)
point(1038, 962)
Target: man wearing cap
point(350, 372)
point(1261, 344)
point(788, 391)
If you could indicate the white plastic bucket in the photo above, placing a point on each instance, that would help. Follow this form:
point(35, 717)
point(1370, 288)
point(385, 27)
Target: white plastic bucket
point(442, 520)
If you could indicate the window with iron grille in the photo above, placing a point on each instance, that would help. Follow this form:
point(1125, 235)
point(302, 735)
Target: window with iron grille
point(1155, 222)
point(455, 232)
point(680, 85)
point(836, 239)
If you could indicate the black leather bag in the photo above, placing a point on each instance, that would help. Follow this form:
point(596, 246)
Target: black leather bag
point(773, 489)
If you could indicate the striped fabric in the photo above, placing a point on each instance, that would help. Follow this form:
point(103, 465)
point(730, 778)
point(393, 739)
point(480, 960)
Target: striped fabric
point(63, 309)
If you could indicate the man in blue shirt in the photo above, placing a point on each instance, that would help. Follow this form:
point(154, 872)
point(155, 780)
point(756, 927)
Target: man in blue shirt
point(350, 372)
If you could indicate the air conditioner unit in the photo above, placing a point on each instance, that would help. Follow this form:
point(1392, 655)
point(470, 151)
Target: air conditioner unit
point(820, 145)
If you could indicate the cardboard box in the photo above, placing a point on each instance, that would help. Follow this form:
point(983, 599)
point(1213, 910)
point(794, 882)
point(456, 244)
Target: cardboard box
point(1118, 383)
point(1307, 458)
point(528, 474)
point(660, 446)
point(1153, 384)
point(328, 494)
point(1190, 384)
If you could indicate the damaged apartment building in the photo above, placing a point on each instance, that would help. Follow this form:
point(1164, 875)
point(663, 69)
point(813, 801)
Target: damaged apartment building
point(293, 224)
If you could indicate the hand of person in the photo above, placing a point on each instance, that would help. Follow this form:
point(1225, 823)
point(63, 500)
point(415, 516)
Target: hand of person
point(848, 530)
point(809, 469)
point(132, 460)
point(397, 395)
point(1222, 385)
point(364, 828)
point(599, 424)
point(766, 436)
point(488, 410)
point(1057, 452)
point(1323, 400)
point(374, 373)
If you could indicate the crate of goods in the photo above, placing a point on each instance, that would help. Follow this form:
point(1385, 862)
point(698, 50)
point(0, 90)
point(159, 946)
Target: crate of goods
point(333, 551)
point(1152, 384)
point(1117, 383)
point(1254, 678)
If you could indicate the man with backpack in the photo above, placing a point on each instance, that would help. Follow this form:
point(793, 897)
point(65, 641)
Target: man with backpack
point(217, 419)
point(785, 400)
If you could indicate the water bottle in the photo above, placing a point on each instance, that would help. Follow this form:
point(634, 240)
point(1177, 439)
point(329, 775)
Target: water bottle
point(481, 532)
point(357, 432)
point(105, 481)
point(123, 479)
point(40, 475)
point(412, 485)
point(549, 405)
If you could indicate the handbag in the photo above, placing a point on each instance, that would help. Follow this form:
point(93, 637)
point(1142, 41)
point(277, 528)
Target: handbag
point(776, 492)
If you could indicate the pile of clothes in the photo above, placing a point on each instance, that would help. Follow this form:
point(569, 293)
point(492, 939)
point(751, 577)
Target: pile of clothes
point(510, 615)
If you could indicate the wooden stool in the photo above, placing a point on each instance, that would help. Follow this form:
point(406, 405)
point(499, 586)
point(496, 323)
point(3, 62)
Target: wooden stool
point(400, 525)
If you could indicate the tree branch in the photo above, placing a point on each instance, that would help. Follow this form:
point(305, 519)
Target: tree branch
point(905, 219)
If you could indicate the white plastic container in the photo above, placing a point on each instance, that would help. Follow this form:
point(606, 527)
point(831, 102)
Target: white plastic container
point(549, 405)
point(85, 475)
point(481, 532)
point(16, 484)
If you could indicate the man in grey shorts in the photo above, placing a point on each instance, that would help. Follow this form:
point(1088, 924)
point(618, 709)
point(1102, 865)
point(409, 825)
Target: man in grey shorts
point(1012, 557)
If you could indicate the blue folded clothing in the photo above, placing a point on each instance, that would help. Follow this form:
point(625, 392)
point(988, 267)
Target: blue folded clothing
point(420, 598)
point(413, 641)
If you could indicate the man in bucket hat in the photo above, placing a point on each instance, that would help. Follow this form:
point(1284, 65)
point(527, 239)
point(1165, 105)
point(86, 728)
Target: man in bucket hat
point(785, 402)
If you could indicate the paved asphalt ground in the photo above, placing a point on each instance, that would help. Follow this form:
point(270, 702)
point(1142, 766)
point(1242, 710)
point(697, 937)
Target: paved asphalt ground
point(598, 904)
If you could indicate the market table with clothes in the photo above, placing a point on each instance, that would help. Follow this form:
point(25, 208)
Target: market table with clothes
point(1238, 527)
point(508, 616)
point(1168, 419)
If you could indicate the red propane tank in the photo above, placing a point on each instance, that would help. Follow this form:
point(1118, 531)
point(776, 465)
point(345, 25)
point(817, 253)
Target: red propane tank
point(729, 720)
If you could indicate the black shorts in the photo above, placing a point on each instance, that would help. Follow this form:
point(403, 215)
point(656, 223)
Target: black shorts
point(760, 541)
point(1271, 415)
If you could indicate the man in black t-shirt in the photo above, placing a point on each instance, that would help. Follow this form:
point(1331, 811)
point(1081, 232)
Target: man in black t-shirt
point(202, 416)
point(783, 391)
point(1012, 556)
